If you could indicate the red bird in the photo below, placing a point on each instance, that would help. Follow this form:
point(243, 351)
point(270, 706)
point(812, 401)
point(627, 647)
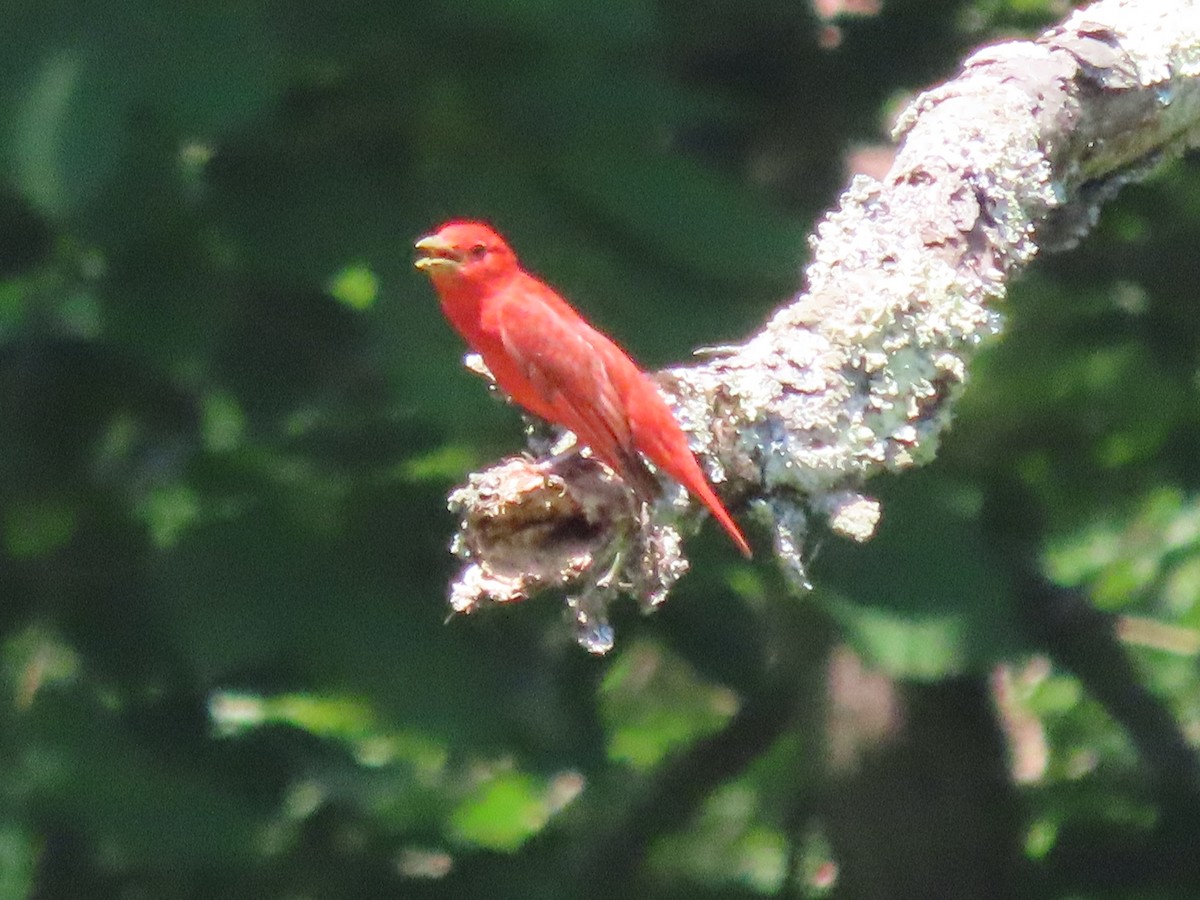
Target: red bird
point(549, 360)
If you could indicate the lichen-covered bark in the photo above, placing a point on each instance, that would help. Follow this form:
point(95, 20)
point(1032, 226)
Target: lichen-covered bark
point(858, 373)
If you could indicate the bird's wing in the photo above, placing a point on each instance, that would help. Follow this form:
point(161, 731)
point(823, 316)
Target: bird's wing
point(577, 372)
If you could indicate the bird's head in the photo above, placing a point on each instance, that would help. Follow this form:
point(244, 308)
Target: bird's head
point(464, 253)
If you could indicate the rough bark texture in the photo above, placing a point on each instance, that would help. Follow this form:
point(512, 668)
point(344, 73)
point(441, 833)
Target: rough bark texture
point(858, 373)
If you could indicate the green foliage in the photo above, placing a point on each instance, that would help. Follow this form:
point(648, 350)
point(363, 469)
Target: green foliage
point(904, 604)
point(231, 412)
point(653, 704)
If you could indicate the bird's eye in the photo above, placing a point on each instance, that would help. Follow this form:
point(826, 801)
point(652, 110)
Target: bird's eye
point(478, 251)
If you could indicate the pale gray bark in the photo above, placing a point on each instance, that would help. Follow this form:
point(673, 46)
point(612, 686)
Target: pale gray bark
point(857, 375)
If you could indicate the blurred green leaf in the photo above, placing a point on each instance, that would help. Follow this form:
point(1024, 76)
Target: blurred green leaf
point(18, 863)
point(653, 703)
point(356, 286)
point(446, 464)
point(727, 847)
point(1124, 561)
point(503, 812)
point(91, 71)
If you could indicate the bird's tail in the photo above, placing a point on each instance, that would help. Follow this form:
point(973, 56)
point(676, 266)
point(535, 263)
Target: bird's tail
point(709, 498)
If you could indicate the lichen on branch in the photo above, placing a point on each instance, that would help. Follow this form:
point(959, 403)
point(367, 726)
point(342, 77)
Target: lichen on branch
point(858, 373)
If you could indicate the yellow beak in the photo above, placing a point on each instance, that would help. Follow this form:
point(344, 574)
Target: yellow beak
point(436, 253)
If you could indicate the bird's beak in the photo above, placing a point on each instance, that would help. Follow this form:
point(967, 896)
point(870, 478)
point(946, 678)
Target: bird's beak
point(435, 253)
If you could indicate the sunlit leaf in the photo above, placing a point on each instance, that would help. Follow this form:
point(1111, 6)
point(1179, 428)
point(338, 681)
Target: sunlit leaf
point(503, 813)
point(653, 704)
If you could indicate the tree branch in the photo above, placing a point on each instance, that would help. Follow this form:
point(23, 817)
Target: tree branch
point(857, 374)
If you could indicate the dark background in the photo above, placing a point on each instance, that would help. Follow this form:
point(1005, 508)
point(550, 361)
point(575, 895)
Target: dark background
point(230, 413)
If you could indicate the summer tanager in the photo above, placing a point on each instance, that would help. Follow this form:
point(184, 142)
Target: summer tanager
point(549, 360)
